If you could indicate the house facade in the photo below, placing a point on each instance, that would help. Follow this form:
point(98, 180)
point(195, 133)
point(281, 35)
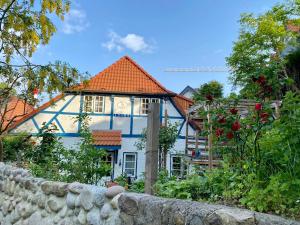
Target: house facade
point(116, 101)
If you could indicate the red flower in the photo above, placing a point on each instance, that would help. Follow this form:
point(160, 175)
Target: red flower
point(258, 106)
point(236, 126)
point(222, 119)
point(229, 135)
point(193, 153)
point(233, 111)
point(219, 132)
point(261, 80)
point(264, 117)
point(209, 97)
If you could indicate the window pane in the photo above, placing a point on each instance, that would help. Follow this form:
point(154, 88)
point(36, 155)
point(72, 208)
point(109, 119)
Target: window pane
point(88, 103)
point(130, 158)
point(130, 165)
point(98, 104)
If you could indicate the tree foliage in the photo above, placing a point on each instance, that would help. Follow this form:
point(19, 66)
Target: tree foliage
point(24, 26)
point(209, 91)
point(262, 46)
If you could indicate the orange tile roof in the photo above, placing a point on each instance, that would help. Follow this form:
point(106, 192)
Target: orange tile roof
point(107, 137)
point(124, 76)
point(16, 110)
point(183, 103)
point(35, 111)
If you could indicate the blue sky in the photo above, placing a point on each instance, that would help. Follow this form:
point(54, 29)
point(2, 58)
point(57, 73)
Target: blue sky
point(157, 34)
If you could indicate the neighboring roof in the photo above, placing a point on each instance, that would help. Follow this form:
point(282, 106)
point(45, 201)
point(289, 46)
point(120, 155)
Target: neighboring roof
point(187, 89)
point(293, 27)
point(35, 111)
point(16, 110)
point(124, 76)
point(107, 137)
point(183, 103)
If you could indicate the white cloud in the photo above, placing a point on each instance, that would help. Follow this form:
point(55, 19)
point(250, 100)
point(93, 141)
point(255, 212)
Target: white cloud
point(75, 21)
point(133, 42)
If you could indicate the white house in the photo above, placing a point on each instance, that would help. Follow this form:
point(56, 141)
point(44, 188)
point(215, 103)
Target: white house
point(117, 101)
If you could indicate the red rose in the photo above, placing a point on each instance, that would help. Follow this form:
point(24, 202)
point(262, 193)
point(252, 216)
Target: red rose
point(258, 106)
point(193, 153)
point(264, 115)
point(219, 132)
point(209, 97)
point(229, 135)
point(261, 79)
point(233, 111)
point(222, 119)
point(236, 126)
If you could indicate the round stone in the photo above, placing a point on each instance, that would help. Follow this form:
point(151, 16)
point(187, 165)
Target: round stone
point(113, 191)
point(86, 199)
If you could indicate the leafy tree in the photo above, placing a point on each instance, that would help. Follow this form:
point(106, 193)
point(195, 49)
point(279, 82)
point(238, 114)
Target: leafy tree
point(86, 165)
point(24, 25)
point(209, 91)
point(263, 43)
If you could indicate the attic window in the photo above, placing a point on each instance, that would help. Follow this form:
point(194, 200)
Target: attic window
point(94, 104)
point(145, 104)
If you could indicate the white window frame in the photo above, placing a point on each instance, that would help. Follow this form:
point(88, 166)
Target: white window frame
point(100, 100)
point(144, 104)
point(178, 170)
point(135, 164)
point(85, 100)
point(94, 104)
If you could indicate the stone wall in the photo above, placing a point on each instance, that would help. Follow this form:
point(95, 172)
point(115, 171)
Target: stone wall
point(25, 200)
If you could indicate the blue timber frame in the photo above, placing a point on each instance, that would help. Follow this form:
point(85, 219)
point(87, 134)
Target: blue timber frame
point(80, 112)
point(111, 115)
point(112, 101)
point(59, 111)
point(131, 114)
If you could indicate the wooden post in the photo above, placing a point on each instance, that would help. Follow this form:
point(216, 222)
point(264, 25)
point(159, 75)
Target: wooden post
point(151, 167)
point(210, 157)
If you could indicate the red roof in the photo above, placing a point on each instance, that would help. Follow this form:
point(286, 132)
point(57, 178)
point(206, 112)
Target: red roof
point(16, 110)
point(183, 103)
point(124, 76)
point(107, 137)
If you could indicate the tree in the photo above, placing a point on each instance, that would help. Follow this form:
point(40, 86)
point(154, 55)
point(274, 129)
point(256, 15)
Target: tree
point(167, 138)
point(261, 49)
point(24, 25)
point(209, 91)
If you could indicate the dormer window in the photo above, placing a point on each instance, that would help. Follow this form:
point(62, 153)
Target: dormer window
point(145, 103)
point(94, 104)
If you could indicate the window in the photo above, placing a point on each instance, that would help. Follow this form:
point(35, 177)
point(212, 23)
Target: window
point(108, 160)
point(176, 166)
point(93, 103)
point(98, 104)
point(145, 102)
point(129, 164)
point(88, 103)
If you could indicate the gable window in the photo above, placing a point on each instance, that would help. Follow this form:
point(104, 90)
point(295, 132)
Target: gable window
point(94, 103)
point(129, 164)
point(145, 103)
point(98, 104)
point(88, 103)
point(177, 166)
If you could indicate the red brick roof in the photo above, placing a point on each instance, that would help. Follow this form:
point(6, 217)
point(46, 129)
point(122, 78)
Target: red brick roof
point(107, 137)
point(124, 76)
point(16, 110)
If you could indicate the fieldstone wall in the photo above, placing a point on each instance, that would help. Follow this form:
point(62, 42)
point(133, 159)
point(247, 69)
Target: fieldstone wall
point(25, 200)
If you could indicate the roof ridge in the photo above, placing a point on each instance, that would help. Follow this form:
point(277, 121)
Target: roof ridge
point(147, 74)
